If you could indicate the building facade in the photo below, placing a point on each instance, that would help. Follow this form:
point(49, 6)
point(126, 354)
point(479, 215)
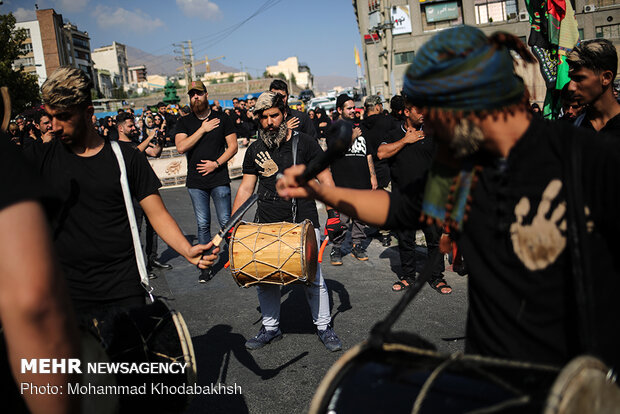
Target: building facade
point(113, 58)
point(293, 70)
point(393, 30)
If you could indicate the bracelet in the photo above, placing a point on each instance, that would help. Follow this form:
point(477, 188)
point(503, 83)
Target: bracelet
point(218, 164)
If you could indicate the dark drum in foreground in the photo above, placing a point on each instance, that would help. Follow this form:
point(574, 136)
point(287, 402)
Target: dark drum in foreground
point(399, 378)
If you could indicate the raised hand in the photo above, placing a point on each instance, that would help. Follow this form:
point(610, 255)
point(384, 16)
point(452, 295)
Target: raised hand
point(263, 159)
point(292, 123)
point(209, 125)
point(540, 243)
point(413, 135)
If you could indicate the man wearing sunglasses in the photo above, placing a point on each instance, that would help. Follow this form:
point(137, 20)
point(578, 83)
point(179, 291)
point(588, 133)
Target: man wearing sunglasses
point(209, 140)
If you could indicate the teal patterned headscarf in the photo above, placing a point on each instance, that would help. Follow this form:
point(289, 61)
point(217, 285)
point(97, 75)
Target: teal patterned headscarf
point(461, 69)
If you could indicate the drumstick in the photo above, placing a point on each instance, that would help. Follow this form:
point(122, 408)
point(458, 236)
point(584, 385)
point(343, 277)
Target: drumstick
point(236, 218)
point(322, 249)
point(6, 100)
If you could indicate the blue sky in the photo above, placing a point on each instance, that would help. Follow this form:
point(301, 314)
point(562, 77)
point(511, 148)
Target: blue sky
point(321, 33)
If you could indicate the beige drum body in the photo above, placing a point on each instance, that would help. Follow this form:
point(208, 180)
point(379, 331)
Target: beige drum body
point(273, 253)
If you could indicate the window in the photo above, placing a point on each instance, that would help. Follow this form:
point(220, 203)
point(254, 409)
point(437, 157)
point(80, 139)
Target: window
point(81, 43)
point(26, 48)
point(29, 61)
point(403, 58)
point(488, 11)
point(27, 33)
point(608, 32)
point(441, 15)
point(580, 34)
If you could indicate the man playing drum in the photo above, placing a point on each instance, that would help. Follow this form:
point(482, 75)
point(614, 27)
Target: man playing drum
point(533, 204)
point(270, 154)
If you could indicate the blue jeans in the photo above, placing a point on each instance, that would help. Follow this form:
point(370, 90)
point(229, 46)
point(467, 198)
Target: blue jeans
point(202, 209)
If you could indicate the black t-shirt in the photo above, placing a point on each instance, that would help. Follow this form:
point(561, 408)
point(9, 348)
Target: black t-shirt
point(351, 170)
point(21, 182)
point(266, 164)
point(209, 147)
point(91, 232)
point(612, 126)
point(525, 311)
point(409, 167)
point(379, 127)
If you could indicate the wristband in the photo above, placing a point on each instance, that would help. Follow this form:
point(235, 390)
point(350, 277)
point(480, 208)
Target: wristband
point(218, 164)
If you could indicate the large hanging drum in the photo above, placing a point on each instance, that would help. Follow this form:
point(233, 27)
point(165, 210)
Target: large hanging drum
point(273, 253)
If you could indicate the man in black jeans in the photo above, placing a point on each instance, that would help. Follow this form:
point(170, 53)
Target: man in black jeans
point(409, 153)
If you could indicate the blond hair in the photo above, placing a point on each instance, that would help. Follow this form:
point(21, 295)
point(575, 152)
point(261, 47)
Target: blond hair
point(67, 87)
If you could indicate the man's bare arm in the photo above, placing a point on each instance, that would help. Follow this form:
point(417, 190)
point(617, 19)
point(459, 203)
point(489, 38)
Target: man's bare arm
point(246, 189)
point(184, 143)
point(37, 318)
point(168, 229)
point(369, 206)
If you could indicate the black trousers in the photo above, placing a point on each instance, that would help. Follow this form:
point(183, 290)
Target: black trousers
point(407, 250)
point(150, 238)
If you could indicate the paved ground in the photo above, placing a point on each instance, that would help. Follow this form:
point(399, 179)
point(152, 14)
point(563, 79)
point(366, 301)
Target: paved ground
point(282, 377)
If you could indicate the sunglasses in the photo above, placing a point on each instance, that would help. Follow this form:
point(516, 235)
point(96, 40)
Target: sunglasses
point(194, 92)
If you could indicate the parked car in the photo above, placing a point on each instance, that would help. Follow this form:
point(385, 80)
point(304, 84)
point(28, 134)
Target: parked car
point(306, 95)
point(326, 102)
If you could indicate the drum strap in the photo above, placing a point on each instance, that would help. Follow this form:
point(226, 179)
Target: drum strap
point(295, 143)
point(131, 215)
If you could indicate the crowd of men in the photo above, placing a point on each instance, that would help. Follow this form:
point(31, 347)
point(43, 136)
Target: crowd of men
point(533, 209)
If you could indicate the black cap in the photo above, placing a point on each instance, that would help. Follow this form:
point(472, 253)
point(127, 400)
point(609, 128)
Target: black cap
point(342, 98)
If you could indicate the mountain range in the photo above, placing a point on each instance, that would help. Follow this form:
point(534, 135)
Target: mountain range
point(167, 65)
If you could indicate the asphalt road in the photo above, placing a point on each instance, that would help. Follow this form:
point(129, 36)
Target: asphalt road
point(282, 377)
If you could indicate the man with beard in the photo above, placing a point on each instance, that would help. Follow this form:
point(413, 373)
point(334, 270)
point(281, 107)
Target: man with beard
point(42, 127)
point(299, 121)
point(593, 65)
point(209, 140)
point(542, 274)
point(265, 157)
point(409, 152)
point(571, 108)
point(91, 229)
point(151, 146)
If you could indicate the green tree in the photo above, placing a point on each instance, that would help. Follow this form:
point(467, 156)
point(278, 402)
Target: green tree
point(23, 87)
point(293, 80)
point(281, 76)
point(231, 78)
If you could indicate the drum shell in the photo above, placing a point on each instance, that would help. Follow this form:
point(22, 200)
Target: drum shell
point(391, 379)
point(273, 253)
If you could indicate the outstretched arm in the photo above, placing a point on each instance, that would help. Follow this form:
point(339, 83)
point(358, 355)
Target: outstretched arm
point(369, 206)
point(168, 229)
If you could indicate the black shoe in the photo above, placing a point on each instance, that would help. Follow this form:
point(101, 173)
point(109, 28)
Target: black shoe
point(205, 275)
point(335, 256)
point(158, 265)
point(152, 275)
point(386, 240)
point(359, 252)
point(263, 338)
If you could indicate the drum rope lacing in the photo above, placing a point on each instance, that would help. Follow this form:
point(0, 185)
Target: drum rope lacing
point(256, 261)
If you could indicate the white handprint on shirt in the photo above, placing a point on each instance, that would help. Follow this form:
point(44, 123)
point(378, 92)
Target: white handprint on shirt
point(263, 159)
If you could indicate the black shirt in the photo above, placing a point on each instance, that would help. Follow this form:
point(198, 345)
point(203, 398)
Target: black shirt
point(379, 127)
point(22, 183)
point(611, 127)
point(409, 167)
point(351, 170)
point(209, 147)
point(526, 313)
point(91, 232)
point(259, 160)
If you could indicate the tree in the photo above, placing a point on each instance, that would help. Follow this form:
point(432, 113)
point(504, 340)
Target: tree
point(281, 76)
point(293, 80)
point(231, 78)
point(23, 87)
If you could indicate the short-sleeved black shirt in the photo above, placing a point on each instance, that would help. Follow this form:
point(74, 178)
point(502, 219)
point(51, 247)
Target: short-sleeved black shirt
point(379, 127)
point(266, 164)
point(91, 232)
point(22, 183)
point(410, 165)
point(351, 170)
point(209, 147)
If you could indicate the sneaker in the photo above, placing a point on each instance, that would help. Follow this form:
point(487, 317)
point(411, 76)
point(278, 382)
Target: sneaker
point(152, 275)
point(263, 338)
point(335, 256)
point(330, 339)
point(386, 240)
point(359, 252)
point(159, 265)
point(205, 275)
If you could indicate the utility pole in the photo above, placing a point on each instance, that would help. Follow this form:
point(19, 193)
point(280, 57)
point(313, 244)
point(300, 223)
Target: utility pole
point(386, 44)
point(245, 76)
point(191, 60)
point(182, 59)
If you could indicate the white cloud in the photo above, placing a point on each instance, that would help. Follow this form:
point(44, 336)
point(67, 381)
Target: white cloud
point(203, 9)
point(24, 15)
point(70, 6)
point(119, 18)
